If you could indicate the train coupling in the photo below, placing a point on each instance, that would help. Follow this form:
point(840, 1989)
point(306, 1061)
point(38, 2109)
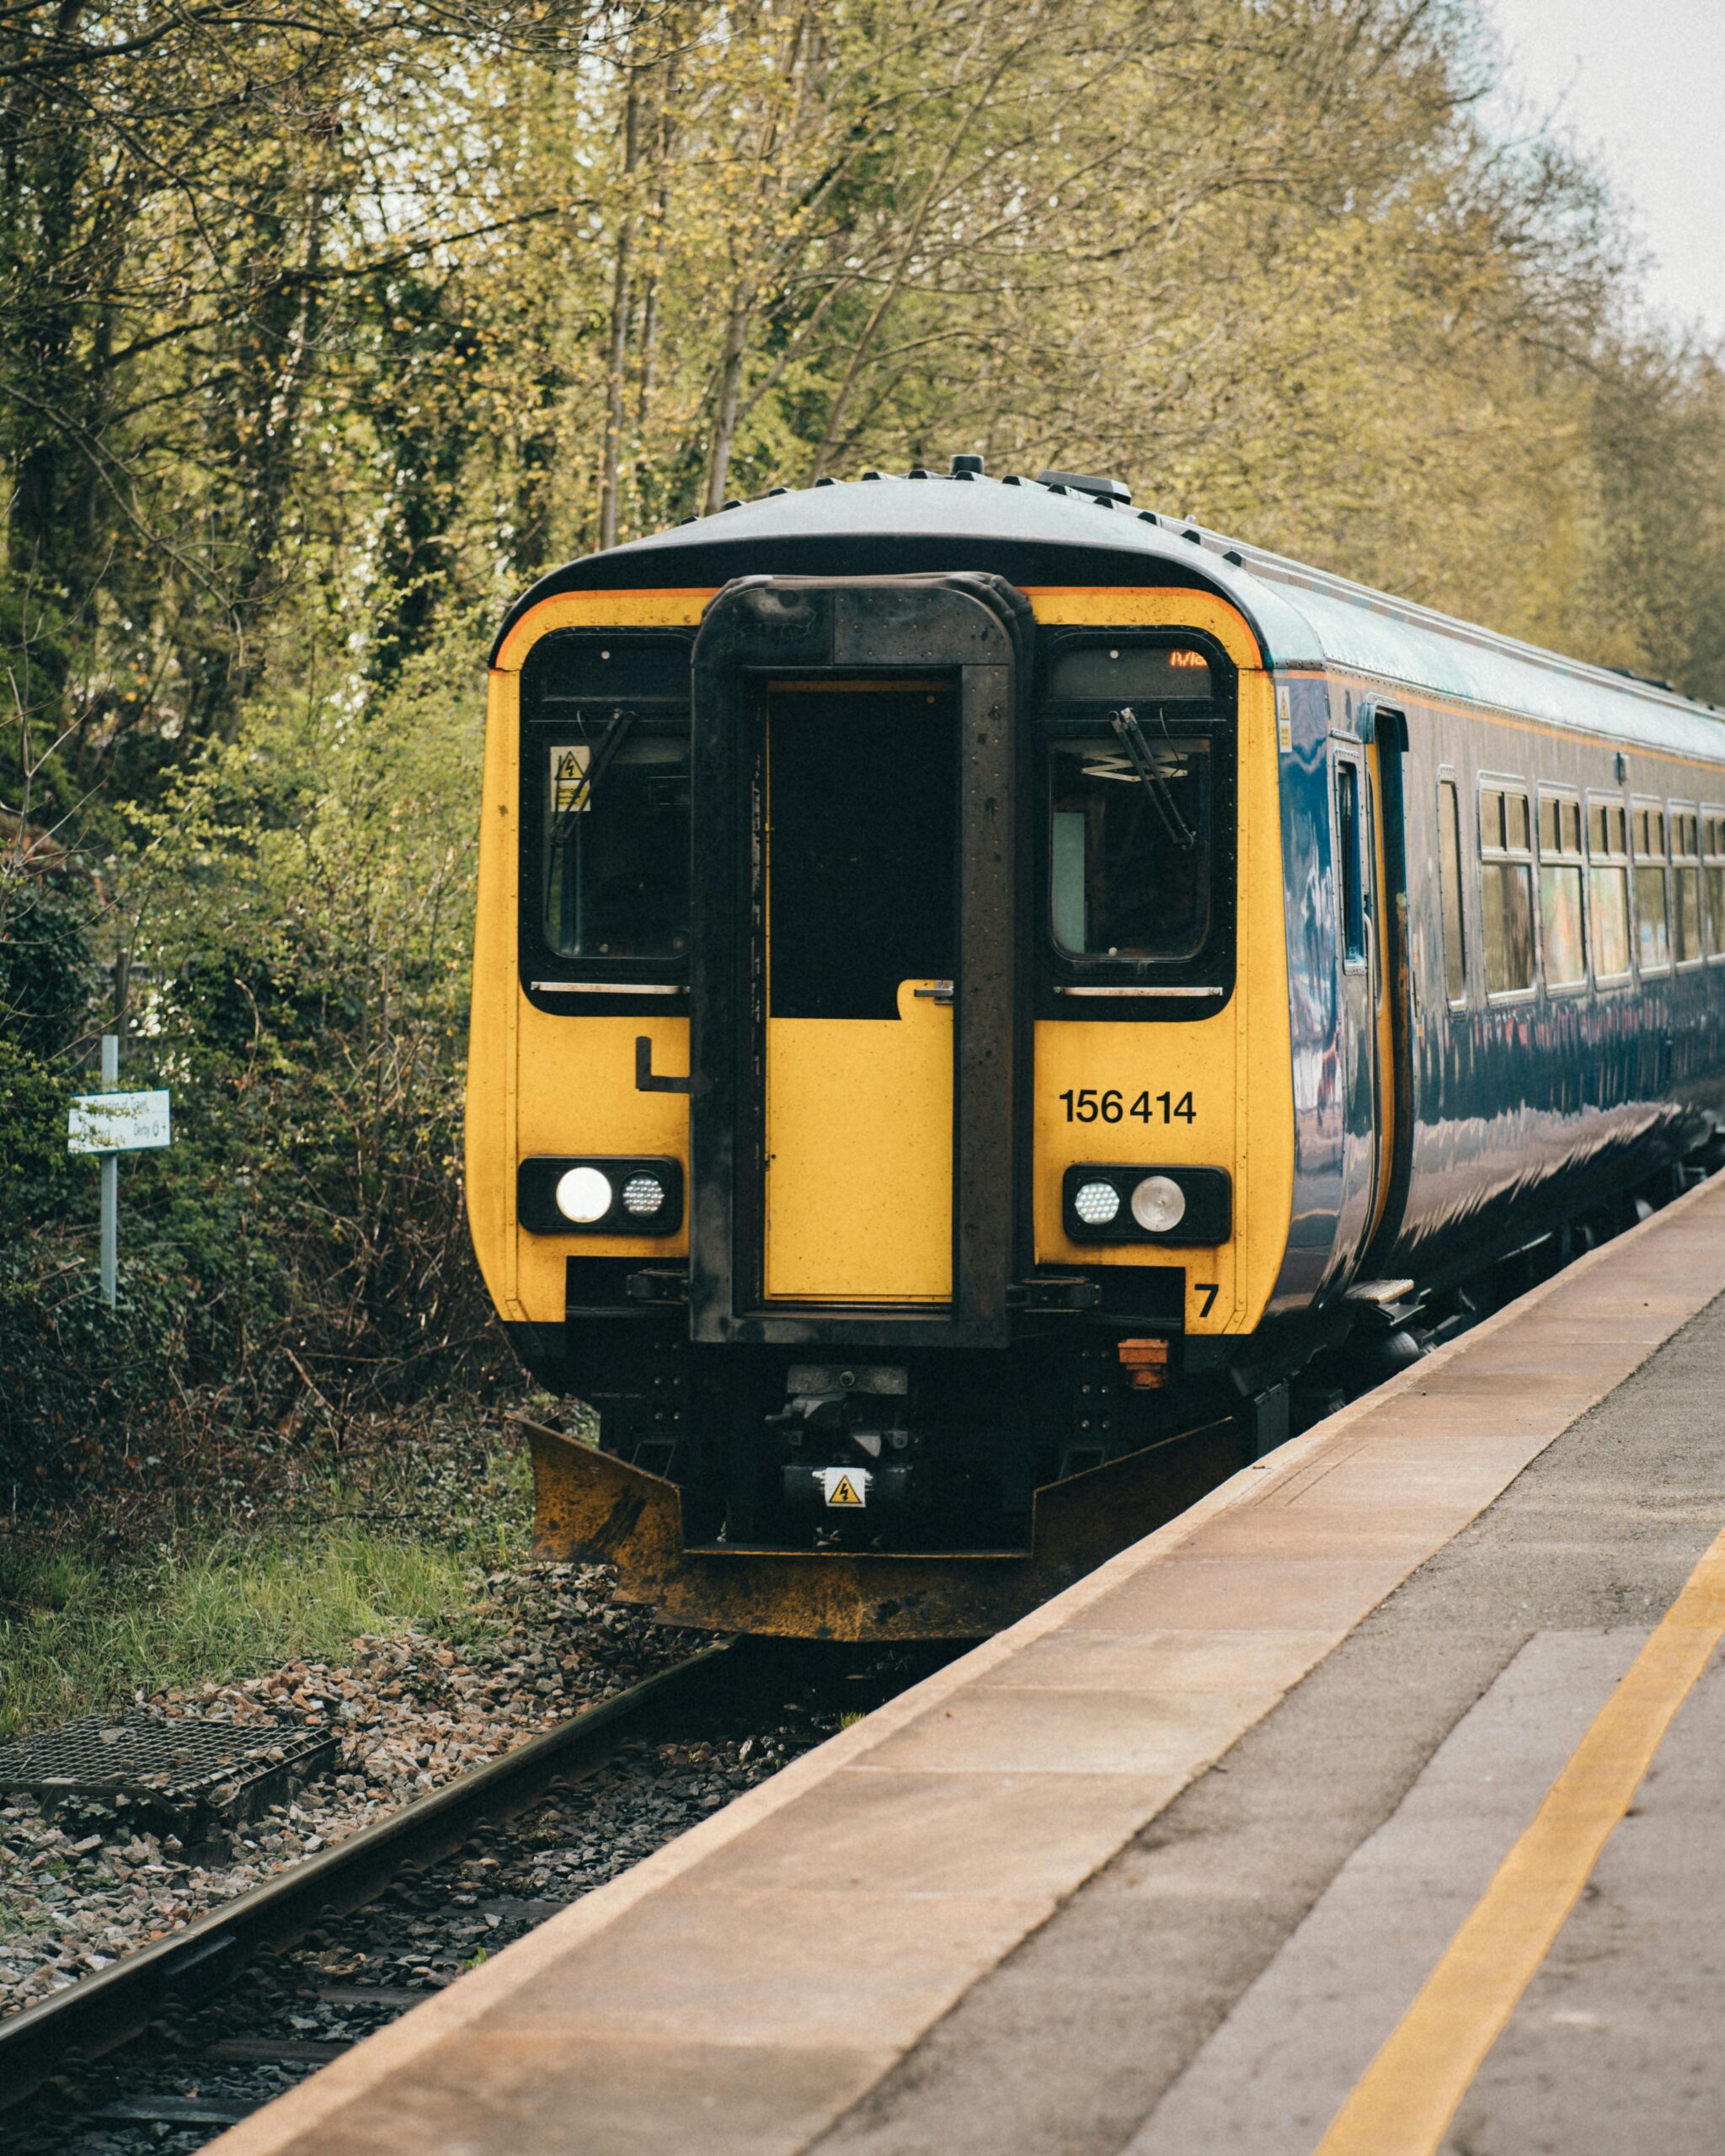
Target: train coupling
point(843, 1445)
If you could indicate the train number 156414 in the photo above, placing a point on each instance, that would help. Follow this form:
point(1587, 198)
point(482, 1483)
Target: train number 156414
point(1085, 1104)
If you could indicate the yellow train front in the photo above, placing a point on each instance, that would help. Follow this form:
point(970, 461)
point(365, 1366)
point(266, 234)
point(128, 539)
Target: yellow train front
point(888, 1108)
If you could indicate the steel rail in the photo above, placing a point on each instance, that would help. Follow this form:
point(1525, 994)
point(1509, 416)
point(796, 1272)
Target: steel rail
point(101, 2011)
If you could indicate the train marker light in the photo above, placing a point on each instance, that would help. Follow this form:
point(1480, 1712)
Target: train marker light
point(642, 1197)
point(1158, 1203)
point(584, 1195)
point(1096, 1203)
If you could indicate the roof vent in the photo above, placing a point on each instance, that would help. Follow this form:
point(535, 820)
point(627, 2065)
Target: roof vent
point(967, 467)
point(1646, 680)
point(920, 471)
point(1078, 483)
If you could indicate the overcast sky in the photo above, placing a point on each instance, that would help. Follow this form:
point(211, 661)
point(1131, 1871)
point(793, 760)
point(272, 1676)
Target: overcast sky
point(1641, 83)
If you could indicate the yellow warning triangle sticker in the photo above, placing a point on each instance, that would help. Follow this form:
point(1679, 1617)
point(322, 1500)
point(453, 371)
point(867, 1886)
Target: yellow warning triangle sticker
point(843, 1492)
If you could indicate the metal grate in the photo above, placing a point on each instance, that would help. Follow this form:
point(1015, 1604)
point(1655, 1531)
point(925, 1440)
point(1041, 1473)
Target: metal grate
point(177, 1766)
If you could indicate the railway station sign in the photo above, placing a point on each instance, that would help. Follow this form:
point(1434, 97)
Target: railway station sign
point(109, 1123)
point(118, 1123)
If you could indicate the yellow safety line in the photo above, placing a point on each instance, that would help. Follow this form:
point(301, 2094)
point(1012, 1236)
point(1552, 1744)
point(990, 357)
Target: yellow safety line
point(1402, 2104)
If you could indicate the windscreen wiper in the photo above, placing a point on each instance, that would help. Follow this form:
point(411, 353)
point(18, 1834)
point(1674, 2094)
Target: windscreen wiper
point(603, 756)
point(1124, 723)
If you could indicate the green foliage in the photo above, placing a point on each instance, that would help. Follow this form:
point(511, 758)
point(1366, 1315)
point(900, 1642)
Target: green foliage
point(81, 1629)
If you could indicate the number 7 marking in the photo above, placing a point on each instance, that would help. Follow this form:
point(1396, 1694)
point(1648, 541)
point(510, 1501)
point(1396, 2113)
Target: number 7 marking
point(1210, 1289)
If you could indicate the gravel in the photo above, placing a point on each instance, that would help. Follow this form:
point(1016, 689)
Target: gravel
point(77, 1890)
point(215, 2060)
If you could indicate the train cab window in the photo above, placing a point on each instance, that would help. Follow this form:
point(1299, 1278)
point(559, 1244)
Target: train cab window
point(1646, 825)
point(1686, 887)
point(604, 778)
point(1608, 887)
point(1130, 850)
point(1449, 877)
point(617, 842)
point(1562, 940)
point(1713, 878)
point(1506, 879)
point(1137, 796)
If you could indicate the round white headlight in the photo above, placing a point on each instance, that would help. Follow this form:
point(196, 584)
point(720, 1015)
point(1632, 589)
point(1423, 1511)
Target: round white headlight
point(1096, 1203)
point(583, 1195)
point(1158, 1203)
point(642, 1196)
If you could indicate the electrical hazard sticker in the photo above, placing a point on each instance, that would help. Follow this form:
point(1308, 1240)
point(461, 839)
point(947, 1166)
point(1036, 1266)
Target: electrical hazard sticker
point(845, 1486)
point(569, 779)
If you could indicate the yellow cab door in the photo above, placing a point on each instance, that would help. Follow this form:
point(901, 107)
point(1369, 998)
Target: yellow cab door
point(860, 946)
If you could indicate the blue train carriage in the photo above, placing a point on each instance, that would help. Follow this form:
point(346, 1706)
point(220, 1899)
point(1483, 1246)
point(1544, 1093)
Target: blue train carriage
point(977, 986)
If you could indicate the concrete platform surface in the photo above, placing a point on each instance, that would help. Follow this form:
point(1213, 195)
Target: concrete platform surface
point(1166, 1867)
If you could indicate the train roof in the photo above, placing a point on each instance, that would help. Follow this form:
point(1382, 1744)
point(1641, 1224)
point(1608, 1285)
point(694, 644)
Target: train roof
point(1037, 535)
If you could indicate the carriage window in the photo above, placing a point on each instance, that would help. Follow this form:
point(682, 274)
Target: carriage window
point(1713, 878)
point(1506, 880)
point(1449, 876)
point(1652, 925)
point(1561, 935)
point(1686, 887)
point(1349, 895)
point(1130, 841)
point(1608, 887)
point(617, 837)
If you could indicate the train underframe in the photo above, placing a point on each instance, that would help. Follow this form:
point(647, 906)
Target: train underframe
point(828, 1491)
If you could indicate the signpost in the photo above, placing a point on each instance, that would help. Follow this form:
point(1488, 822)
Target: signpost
point(109, 1123)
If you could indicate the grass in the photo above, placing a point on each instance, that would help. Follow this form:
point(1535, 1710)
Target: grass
point(82, 1626)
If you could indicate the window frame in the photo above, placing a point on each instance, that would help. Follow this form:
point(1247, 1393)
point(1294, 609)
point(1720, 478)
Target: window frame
point(1712, 835)
point(1677, 814)
point(1509, 784)
point(1647, 805)
point(1615, 860)
point(1159, 991)
point(1352, 933)
point(1451, 782)
point(553, 684)
point(1562, 797)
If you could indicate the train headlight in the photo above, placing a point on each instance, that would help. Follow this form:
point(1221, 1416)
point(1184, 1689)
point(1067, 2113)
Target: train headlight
point(563, 1194)
point(1158, 1204)
point(642, 1197)
point(1137, 1202)
point(584, 1195)
point(1096, 1203)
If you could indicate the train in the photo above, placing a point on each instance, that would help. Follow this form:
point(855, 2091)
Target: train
point(986, 997)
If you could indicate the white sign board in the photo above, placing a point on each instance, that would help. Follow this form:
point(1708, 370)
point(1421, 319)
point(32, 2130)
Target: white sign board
point(117, 1123)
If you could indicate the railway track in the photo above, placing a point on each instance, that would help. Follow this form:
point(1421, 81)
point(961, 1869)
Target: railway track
point(100, 2013)
point(259, 1992)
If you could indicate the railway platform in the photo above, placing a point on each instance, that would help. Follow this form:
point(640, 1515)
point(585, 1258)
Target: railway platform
point(1369, 1809)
